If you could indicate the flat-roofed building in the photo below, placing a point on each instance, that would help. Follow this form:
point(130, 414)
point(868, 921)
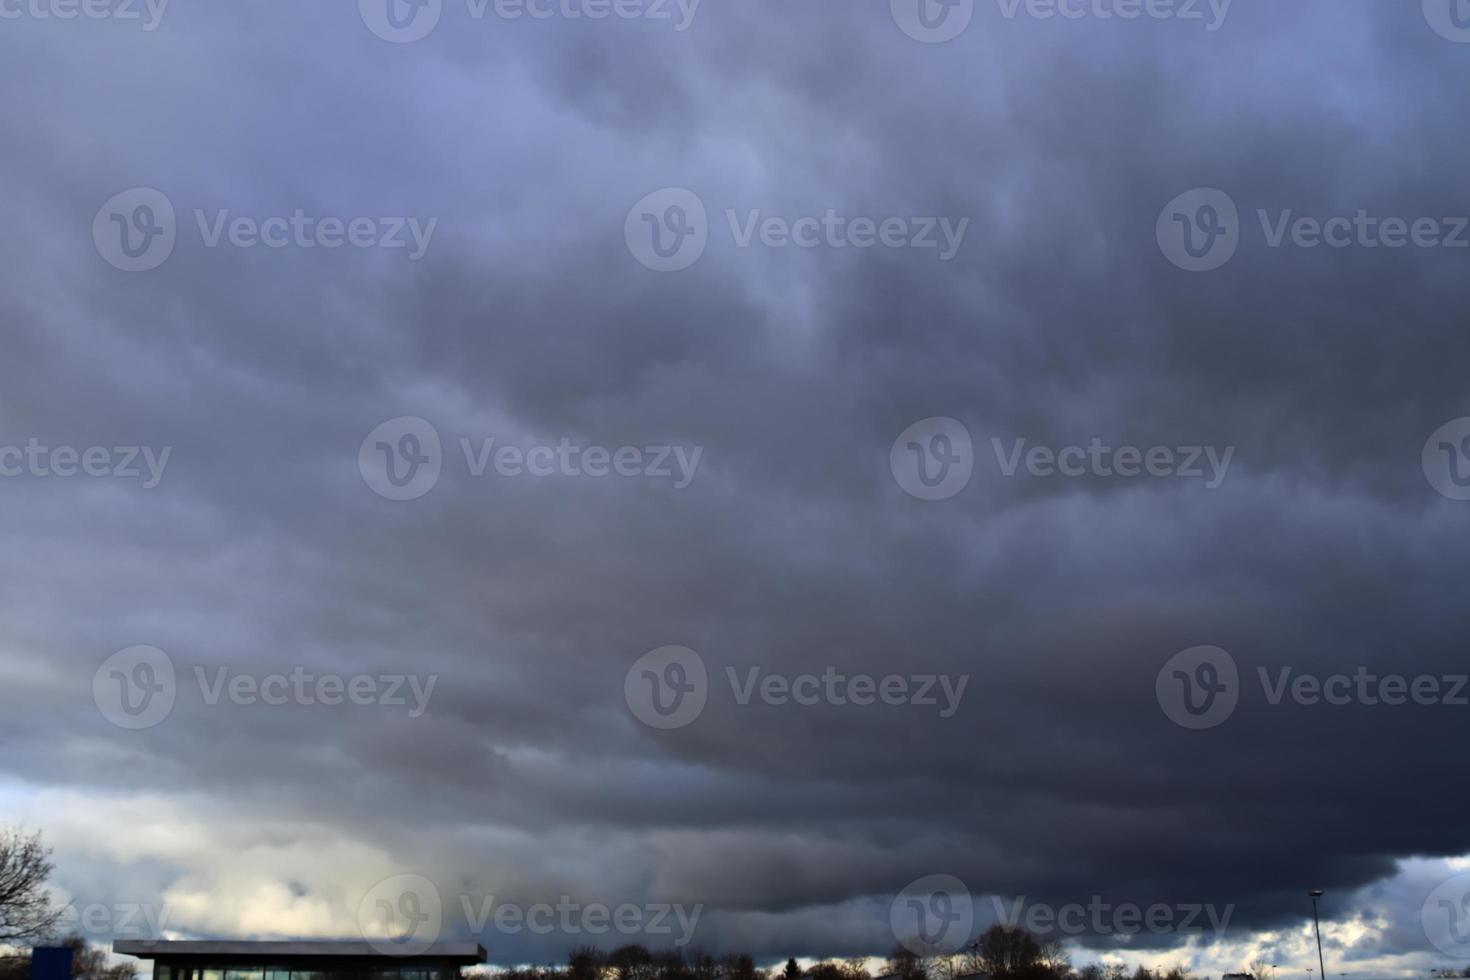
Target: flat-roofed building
point(209, 960)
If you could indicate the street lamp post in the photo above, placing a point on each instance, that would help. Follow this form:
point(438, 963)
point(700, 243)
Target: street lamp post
point(1315, 894)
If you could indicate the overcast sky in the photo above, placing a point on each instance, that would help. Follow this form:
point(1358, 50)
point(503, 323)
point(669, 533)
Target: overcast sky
point(1035, 381)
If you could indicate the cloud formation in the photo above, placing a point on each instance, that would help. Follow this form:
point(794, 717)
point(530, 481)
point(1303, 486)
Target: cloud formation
point(526, 319)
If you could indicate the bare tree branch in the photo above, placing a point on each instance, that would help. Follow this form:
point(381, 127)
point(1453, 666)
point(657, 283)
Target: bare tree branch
point(26, 913)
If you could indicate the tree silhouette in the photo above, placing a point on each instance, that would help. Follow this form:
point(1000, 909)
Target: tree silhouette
point(26, 913)
point(1004, 951)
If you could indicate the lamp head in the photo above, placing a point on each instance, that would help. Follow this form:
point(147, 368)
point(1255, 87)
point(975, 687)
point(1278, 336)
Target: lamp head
point(1315, 893)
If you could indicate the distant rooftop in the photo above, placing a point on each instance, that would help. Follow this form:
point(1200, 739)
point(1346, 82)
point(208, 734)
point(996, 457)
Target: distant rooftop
point(463, 953)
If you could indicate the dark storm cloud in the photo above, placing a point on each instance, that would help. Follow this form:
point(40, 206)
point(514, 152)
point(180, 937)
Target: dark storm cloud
point(793, 549)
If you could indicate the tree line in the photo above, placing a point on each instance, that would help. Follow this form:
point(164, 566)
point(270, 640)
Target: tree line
point(1002, 952)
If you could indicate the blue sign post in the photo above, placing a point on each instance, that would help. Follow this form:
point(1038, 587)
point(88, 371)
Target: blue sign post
point(51, 963)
